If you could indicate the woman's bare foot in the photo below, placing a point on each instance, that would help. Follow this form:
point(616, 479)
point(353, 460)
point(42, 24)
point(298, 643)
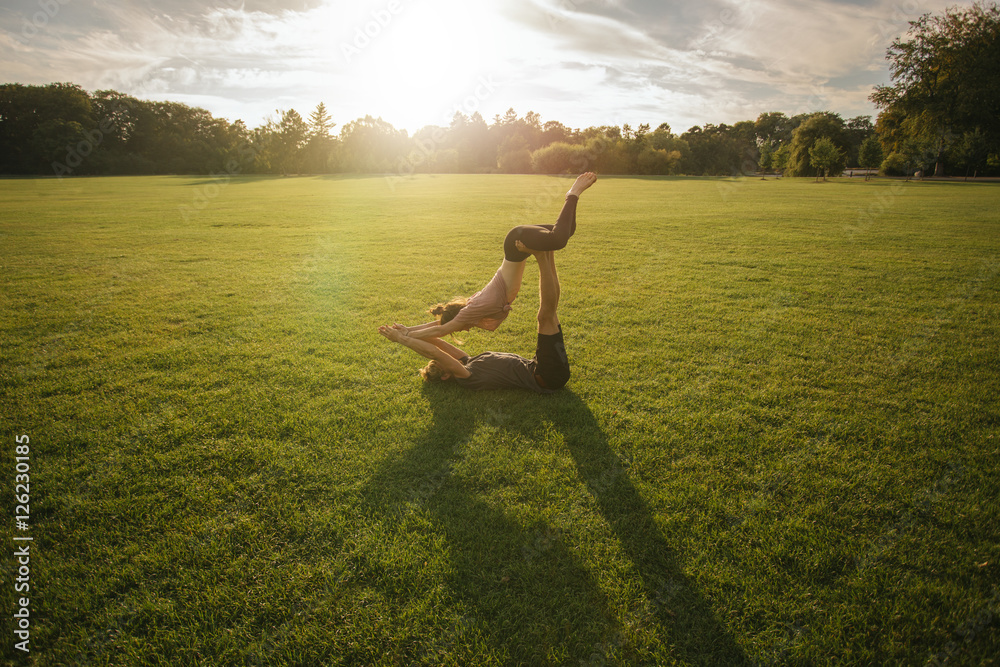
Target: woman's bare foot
point(583, 181)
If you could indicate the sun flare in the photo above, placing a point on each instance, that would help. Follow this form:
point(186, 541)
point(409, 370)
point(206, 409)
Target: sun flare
point(417, 65)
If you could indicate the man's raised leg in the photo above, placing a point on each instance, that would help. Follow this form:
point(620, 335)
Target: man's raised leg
point(552, 369)
point(548, 289)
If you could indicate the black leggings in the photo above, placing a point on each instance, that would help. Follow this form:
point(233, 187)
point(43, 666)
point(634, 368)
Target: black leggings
point(551, 364)
point(542, 237)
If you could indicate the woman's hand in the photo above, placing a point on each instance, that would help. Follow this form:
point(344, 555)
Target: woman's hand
point(399, 327)
point(392, 333)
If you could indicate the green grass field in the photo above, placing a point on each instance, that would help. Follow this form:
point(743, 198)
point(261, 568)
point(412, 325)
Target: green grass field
point(780, 444)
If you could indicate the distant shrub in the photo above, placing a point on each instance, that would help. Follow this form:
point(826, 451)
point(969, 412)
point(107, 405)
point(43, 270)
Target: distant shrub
point(895, 164)
point(659, 161)
point(557, 158)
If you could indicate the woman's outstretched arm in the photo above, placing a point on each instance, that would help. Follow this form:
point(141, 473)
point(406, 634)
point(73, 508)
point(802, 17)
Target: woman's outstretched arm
point(416, 327)
point(433, 329)
point(426, 349)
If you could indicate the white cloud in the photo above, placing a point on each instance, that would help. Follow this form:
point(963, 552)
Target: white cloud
point(414, 61)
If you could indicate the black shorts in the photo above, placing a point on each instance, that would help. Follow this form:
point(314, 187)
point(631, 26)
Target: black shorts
point(510, 251)
point(552, 365)
point(542, 237)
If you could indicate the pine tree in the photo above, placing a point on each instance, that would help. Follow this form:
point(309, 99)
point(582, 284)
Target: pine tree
point(320, 123)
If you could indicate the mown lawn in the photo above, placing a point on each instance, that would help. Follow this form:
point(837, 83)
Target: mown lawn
point(780, 444)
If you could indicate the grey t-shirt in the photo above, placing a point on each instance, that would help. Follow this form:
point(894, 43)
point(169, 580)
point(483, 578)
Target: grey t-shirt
point(500, 370)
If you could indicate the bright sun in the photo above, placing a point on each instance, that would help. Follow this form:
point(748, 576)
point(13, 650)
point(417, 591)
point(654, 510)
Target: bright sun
point(416, 63)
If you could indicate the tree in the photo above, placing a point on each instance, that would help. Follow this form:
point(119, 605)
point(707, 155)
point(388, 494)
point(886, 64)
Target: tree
point(263, 142)
point(509, 126)
point(553, 131)
point(714, 151)
point(173, 138)
point(293, 132)
point(971, 152)
point(558, 158)
point(772, 132)
point(944, 78)
point(856, 130)
point(603, 150)
point(470, 137)
point(824, 156)
point(661, 138)
point(514, 156)
point(371, 145)
point(318, 150)
point(870, 154)
point(658, 161)
point(42, 125)
point(240, 153)
point(663, 142)
point(766, 161)
point(320, 123)
point(744, 133)
point(779, 159)
point(815, 127)
point(774, 128)
point(911, 156)
point(633, 143)
point(117, 118)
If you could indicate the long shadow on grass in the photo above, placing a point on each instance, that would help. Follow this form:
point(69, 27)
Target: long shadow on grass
point(522, 589)
point(688, 619)
point(509, 590)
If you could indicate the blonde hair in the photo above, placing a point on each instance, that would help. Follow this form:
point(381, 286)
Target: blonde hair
point(432, 372)
point(446, 312)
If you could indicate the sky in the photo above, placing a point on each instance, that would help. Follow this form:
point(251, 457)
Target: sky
point(416, 62)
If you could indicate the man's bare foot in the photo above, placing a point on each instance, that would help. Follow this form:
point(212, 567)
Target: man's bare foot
point(583, 181)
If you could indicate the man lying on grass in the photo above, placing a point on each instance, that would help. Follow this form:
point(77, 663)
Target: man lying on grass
point(546, 372)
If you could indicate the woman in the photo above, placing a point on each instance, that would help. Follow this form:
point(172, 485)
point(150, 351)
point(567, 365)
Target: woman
point(489, 307)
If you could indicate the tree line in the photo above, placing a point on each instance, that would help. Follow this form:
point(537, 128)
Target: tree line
point(61, 129)
point(941, 112)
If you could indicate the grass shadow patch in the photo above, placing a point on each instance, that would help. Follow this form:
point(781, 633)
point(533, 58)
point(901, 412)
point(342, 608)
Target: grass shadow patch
point(521, 582)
